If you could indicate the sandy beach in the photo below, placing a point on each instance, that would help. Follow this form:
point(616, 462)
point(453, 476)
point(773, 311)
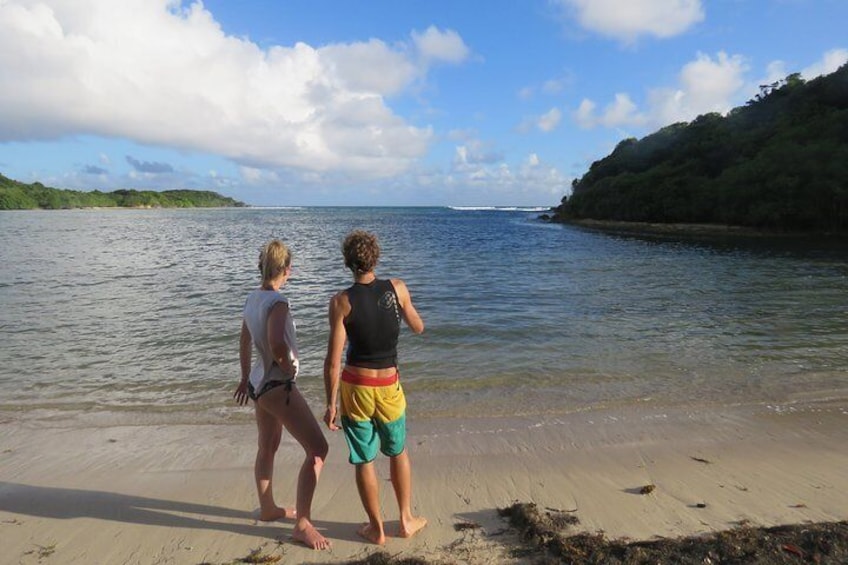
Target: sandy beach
point(72, 493)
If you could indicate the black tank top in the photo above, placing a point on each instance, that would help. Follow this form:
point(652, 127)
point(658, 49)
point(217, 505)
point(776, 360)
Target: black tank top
point(373, 325)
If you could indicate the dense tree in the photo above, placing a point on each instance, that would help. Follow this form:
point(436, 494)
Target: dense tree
point(779, 162)
point(16, 195)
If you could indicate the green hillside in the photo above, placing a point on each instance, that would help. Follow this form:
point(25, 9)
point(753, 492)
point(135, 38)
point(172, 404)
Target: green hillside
point(16, 195)
point(780, 163)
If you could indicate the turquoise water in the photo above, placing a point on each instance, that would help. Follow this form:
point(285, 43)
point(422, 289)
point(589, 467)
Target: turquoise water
point(135, 314)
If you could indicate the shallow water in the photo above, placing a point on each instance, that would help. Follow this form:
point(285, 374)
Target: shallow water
point(134, 314)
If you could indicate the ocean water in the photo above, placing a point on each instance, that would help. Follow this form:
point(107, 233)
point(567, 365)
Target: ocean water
point(134, 315)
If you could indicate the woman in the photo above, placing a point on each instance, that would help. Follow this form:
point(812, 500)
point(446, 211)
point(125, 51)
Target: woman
point(373, 406)
point(267, 324)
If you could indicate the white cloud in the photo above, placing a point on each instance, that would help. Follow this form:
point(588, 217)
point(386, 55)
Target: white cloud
point(622, 111)
point(626, 20)
point(549, 120)
point(553, 86)
point(585, 114)
point(775, 71)
point(526, 93)
point(459, 134)
point(704, 85)
point(550, 87)
point(366, 67)
point(475, 152)
point(532, 181)
point(253, 175)
point(460, 160)
point(436, 45)
point(163, 73)
point(828, 64)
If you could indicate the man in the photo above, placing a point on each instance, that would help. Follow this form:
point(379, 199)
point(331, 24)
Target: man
point(373, 407)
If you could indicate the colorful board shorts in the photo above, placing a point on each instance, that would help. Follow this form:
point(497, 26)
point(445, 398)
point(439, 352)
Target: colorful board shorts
point(373, 416)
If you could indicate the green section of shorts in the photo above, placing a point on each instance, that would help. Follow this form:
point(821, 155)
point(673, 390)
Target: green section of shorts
point(364, 439)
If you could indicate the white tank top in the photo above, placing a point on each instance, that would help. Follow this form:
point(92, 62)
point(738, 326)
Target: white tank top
point(257, 307)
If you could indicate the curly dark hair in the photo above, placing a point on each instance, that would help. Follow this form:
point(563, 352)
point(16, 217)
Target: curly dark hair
point(361, 251)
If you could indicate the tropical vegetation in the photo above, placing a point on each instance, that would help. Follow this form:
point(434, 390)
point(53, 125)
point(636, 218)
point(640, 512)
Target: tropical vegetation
point(779, 163)
point(16, 195)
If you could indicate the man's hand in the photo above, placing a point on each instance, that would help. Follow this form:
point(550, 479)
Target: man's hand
point(330, 418)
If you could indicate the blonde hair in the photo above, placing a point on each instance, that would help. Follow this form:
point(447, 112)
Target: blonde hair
point(361, 251)
point(274, 258)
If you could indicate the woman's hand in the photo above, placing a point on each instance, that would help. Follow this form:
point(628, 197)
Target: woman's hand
point(330, 418)
point(240, 394)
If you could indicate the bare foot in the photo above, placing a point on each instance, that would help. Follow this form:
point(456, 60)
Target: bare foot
point(277, 513)
point(372, 533)
point(305, 533)
point(411, 527)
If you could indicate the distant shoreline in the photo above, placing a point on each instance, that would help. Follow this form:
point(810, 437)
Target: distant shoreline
point(690, 230)
point(15, 195)
point(98, 208)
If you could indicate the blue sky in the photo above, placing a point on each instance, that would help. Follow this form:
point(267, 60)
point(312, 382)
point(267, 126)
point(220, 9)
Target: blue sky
point(320, 102)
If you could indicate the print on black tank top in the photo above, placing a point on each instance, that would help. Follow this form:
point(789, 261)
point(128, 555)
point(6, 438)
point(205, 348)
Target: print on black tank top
point(373, 325)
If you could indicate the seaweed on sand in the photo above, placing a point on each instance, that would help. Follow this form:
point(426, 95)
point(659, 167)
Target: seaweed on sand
point(821, 543)
point(384, 558)
point(545, 539)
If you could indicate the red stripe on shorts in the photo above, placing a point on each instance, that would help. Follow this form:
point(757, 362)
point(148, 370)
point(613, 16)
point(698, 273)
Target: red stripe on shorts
point(354, 379)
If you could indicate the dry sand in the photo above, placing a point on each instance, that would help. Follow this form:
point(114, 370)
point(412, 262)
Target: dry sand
point(184, 494)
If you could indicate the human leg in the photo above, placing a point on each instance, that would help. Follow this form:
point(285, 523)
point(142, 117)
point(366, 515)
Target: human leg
point(269, 434)
point(390, 424)
point(360, 431)
point(369, 494)
point(290, 408)
point(401, 475)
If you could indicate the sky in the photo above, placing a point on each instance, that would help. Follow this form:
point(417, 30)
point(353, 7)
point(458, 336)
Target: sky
point(378, 102)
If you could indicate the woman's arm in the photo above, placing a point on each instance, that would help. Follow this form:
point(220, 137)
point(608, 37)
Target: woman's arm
point(245, 354)
point(280, 348)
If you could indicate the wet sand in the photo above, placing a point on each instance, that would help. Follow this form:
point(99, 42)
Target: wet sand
point(71, 493)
